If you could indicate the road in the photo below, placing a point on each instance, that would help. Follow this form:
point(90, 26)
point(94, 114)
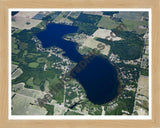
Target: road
point(145, 41)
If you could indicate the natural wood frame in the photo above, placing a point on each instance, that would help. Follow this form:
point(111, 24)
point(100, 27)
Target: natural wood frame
point(6, 4)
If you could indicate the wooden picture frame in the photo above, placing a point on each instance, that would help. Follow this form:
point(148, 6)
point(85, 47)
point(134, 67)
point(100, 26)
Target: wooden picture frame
point(4, 54)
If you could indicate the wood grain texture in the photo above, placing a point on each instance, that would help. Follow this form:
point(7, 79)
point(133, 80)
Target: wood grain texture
point(6, 4)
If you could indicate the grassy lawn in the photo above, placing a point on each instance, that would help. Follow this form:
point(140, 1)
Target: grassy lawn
point(41, 60)
point(41, 25)
point(134, 25)
point(30, 82)
point(56, 89)
point(107, 23)
point(50, 109)
point(59, 17)
point(13, 62)
point(84, 50)
point(33, 65)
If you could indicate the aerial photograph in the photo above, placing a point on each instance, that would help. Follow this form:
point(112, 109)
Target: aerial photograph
point(79, 63)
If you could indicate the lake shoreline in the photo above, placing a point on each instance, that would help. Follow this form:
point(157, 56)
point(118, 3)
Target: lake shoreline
point(88, 78)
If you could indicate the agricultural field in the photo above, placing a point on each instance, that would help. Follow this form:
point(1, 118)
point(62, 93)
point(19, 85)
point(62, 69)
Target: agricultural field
point(135, 16)
point(141, 101)
point(22, 105)
point(139, 26)
point(14, 67)
point(63, 18)
point(107, 23)
point(105, 33)
point(23, 20)
point(93, 13)
point(74, 15)
point(92, 43)
point(16, 73)
point(27, 98)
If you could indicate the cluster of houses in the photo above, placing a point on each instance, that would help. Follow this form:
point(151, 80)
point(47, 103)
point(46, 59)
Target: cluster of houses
point(114, 58)
point(63, 65)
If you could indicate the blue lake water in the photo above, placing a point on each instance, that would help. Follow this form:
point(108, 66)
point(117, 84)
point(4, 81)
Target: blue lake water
point(98, 78)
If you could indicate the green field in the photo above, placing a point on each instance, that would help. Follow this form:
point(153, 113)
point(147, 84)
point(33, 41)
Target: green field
point(30, 82)
point(33, 65)
point(107, 23)
point(57, 89)
point(50, 109)
point(41, 60)
point(134, 25)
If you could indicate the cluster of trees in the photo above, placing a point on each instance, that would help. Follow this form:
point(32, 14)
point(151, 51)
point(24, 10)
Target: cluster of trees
point(86, 23)
point(87, 18)
point(24, 35)
point(86, 28)
point(110, 13)
point(125, 104)
point(51, 16)
point(145, 72)
point(131, 68)
point(49, 108)
point(129, 48)
point(71, 18)
point(47, 18)
point(57, 91)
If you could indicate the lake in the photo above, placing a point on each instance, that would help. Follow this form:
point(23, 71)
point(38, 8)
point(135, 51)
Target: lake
point(98, 78)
